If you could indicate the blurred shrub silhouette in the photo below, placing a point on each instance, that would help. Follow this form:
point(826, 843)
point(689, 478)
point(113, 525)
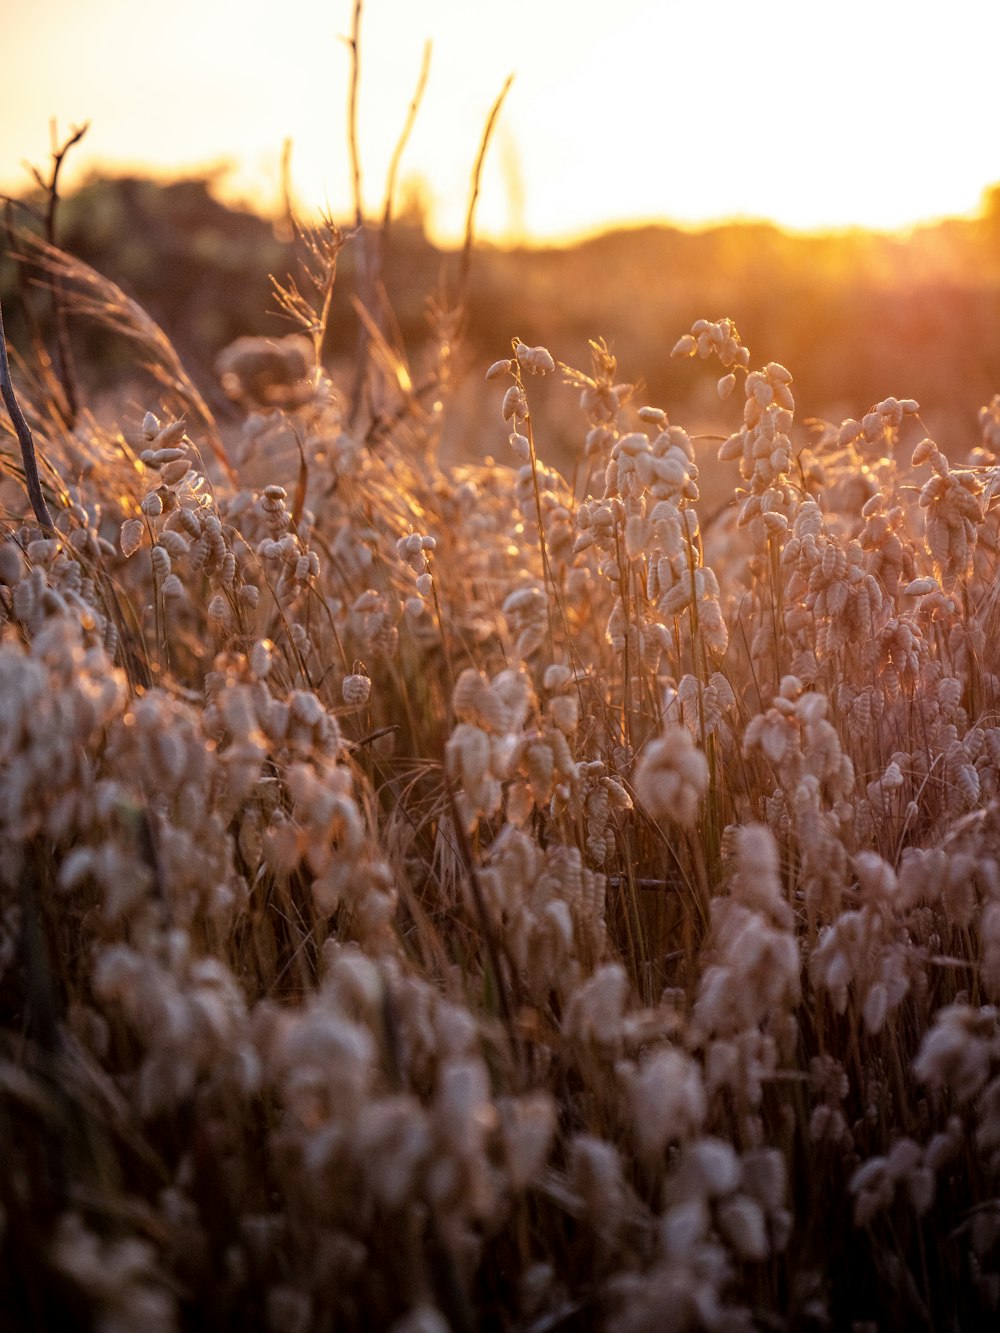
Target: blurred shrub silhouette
point(856, 312)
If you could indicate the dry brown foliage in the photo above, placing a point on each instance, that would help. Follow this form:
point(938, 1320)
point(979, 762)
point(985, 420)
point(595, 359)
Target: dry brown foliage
point(448, 897)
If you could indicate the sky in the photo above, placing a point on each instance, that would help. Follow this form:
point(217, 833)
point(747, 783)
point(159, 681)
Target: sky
point(877, 113)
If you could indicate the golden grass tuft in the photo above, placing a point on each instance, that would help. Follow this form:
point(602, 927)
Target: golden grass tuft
point(450, 897)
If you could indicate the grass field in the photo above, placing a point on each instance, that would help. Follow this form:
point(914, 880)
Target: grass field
point(471, 896)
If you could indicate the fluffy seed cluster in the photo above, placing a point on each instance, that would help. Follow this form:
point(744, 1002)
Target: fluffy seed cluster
point(456, 896)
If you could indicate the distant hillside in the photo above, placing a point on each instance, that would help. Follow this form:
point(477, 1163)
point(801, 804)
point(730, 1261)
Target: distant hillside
point(854, 316)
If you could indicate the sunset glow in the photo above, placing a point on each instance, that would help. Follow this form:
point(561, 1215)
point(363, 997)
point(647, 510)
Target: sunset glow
point(869, 114)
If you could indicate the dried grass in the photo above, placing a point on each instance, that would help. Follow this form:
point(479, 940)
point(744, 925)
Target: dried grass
point(449, 899)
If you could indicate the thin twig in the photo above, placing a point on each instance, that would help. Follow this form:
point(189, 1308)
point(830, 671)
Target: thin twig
point(43, 367)
point(65, 368)
point(51, 186)
point(309, 310)
point(470, 218)
point(31, 478)
point(284, 228)
point(364, 266)
point(382, 311)
point(373, 736)
point(397, 155)
point(354, 43)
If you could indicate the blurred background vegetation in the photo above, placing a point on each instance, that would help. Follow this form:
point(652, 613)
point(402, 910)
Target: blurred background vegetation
point(855, 315)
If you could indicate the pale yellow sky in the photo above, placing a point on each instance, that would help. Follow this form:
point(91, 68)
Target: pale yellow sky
point(870, 112)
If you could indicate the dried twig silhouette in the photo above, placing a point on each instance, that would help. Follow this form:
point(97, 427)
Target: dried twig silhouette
point(31, 477)
point(63, 355)
point(470, 217)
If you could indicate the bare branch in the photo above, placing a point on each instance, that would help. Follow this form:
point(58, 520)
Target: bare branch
point(463, 272)
point(364, 269)
point(284, 228)
point(52, 185)
point(65, 367)
point(310, 309)
point(382, 309)
point(31, 477)
point(411, 116)
point(352, 113)
point(42, 366)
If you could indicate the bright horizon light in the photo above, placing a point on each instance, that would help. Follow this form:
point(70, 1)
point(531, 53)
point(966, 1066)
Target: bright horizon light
point(865, 114)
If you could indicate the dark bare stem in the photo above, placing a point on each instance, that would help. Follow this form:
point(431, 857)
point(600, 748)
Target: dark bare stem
point(364, 265)
point(65, 366)
point(470, 218)
point(24, 438)
point(42, 359)
point(285, 228)
point(52, 188)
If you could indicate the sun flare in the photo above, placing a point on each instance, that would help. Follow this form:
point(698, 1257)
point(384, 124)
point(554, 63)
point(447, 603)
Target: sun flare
point(869, 115)
point(500, 749)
